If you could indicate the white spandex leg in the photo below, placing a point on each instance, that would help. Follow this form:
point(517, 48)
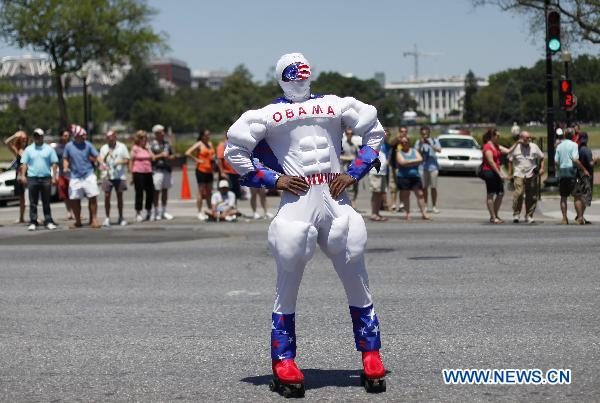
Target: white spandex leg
point(343, 239)
point(292, 240)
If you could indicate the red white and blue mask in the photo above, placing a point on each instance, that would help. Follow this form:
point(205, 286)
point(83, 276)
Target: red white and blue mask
point(293, 75)
point(295, 72)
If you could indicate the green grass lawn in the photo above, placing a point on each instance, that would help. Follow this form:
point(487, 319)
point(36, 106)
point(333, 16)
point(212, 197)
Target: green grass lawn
point(5, 154)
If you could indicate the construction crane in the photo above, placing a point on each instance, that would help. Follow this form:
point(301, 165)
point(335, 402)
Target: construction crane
point(416, 54)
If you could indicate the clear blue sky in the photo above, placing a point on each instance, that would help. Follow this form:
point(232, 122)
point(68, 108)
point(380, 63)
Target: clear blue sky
point(353, 36)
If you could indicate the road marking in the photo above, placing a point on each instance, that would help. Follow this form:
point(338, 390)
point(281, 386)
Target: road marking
point(234, 293)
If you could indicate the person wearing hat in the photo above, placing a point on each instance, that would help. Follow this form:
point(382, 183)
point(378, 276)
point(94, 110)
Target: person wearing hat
point(161, 175)
point(223, 203)
point(39, 165)
point(113, 160)
point(560, 136)
point(79, 158)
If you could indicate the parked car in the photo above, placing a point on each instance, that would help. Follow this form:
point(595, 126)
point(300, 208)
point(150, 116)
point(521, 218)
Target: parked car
point(7, 185)
point(460, 153)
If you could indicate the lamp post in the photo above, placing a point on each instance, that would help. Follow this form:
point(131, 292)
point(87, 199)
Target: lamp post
point(84, 74)
point(551, 181)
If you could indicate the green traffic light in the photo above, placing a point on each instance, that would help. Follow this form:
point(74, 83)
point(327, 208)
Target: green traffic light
point(554, 45)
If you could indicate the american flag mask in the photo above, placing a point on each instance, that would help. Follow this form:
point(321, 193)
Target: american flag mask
point(296, 72)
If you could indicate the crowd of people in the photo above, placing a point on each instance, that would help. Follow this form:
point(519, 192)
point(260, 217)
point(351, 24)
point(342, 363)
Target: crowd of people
point(72, 162)
point(71, 165)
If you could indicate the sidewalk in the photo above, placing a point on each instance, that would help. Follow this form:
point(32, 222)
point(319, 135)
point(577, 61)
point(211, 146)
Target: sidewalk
point(461, 199)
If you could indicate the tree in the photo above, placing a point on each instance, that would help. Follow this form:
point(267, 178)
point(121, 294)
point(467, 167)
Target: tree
point(510, 110)
point(139, 83)
point(469, 115)
point(580, 18)
point(100, 112)
point(76, 32)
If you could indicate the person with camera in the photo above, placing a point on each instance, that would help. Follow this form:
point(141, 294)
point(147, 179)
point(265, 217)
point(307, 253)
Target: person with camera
point(525, 166)
point(491, 172)
point(428, 147)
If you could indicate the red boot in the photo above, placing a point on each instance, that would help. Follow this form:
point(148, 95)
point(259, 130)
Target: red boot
point(288, 380)
point(374, 372)
point(372, 365)
point(286, 371)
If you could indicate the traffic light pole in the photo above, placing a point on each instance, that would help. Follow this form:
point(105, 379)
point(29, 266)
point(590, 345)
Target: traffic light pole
point(551, 181)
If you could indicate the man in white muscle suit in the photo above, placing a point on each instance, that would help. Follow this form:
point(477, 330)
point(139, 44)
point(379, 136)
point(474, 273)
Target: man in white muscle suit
point(294, 145)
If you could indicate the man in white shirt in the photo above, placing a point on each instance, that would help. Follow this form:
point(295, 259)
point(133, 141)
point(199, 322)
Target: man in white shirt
point(223, 203)
point(525, 166)
point(113, 158)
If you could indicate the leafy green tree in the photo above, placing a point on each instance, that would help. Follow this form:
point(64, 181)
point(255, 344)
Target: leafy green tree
point(75, 32)
point(588, 103)
point(510, 110)
point(496, 104)
point(534, 107)
point(485, 104)
point(11, 119)
point(40, 112)
point(469, 114)
point(100, 112)
point(139, 83)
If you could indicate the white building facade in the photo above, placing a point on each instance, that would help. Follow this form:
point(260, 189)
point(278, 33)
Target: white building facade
point(31, 76)
point(436, 97)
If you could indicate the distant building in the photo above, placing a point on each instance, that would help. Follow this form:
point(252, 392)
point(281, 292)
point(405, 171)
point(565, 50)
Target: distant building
point(213, 79)
point(172, 70)
point(31, 76)
point(380, 78)
point(436, 97)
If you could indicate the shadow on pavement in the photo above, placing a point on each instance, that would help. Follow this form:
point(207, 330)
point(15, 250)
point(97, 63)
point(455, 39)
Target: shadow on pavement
point(127, 235)
point(317, 378)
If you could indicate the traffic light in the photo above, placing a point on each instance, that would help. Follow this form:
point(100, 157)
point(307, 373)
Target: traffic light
point(565, 91)
point(553, 34)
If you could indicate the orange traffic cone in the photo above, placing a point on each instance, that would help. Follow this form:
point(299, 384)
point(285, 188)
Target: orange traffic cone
point(185, 186)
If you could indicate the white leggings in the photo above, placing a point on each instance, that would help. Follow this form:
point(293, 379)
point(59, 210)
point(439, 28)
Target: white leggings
point(301, 223)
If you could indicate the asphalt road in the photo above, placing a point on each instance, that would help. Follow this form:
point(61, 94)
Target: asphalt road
point(181, 311)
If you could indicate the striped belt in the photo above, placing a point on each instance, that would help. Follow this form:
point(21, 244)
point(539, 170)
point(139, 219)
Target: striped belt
point(319, 179)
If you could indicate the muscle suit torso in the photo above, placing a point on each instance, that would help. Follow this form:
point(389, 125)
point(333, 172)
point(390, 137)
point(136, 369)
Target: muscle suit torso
point(304, 137)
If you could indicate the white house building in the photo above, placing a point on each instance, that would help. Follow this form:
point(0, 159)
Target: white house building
point(437, 96)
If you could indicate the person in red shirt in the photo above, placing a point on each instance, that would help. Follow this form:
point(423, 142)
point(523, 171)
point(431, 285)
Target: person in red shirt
point(492, 174)
point(226, 171)
point(576, 130)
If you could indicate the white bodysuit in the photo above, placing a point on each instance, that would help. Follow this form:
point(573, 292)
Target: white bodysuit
point(305, 138)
